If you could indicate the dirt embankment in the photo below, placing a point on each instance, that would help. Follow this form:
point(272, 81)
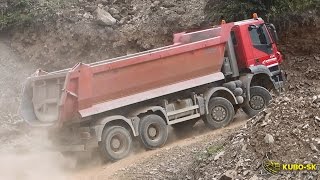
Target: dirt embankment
point(300, 34)
point(80, 32)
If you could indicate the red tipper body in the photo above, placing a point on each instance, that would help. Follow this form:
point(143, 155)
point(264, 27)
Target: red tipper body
point(192, 55)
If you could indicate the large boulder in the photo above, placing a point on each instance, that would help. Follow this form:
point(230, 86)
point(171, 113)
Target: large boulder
point(104, 18)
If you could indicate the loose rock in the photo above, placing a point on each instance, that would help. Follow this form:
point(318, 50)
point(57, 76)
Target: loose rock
point(313, 147)
point(269, 139)
point(104, 18)
point(218, 155)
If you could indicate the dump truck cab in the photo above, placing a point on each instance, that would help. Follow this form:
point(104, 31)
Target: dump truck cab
point(255, 46)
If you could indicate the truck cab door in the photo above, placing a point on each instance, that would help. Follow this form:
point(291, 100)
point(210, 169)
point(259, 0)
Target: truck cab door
point(262, 45)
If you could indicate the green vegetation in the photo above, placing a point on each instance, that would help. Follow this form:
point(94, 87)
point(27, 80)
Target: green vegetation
point(23, 12)
point(233, 10)
point(210, 150)
point(15, 12)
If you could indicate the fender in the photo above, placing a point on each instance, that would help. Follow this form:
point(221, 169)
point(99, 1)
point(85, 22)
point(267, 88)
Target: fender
point(153, 109)
point(261, 69)
point(136, 119)
point(100, 124)
point(210, 92)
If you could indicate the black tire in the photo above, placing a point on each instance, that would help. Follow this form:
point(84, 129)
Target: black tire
point(260, 97)
point(221, 113)
point(153, 131)
point(116, 143)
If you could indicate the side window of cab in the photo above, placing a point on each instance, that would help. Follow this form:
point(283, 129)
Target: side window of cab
point(260, 39)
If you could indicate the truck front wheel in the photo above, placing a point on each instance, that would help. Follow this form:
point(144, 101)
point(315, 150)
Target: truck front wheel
point(220, 113)
point(153, 131)
point(260, 97)
point(116, 143)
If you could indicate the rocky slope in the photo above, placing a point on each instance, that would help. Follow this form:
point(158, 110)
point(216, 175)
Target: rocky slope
point(92, 30)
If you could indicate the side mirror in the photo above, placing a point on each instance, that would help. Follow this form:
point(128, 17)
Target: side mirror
point(252, 27)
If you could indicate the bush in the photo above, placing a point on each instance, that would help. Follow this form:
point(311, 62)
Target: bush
point(24, 12)
point(234, 10)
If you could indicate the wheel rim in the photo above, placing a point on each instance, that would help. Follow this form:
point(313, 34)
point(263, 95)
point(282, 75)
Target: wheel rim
point(118, 143)
point(219, 113)
point(257, 102)
point(153, 131)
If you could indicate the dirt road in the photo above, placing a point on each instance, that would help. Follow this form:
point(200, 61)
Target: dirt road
point(200, 134)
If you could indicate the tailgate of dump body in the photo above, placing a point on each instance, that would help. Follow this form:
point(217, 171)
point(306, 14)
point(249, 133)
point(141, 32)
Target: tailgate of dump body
point(53, 98)
point(41, 96)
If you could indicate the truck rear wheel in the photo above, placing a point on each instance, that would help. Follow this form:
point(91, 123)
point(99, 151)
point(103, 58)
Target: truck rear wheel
point(220, 113)
point(260, 97)
point(116, 143)
point(153, 131)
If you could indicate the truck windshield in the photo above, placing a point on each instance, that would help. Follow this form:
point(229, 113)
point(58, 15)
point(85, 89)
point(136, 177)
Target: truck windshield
point(259, 35)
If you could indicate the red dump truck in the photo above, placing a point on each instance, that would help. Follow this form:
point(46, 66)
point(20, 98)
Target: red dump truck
point(207, 74)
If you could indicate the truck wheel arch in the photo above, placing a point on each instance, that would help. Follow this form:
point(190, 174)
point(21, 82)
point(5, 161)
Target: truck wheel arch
point(113, 120)
point(151, 109)
point(226, 93)
point(263, 80)
point(262, 72)
point(138, 113)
